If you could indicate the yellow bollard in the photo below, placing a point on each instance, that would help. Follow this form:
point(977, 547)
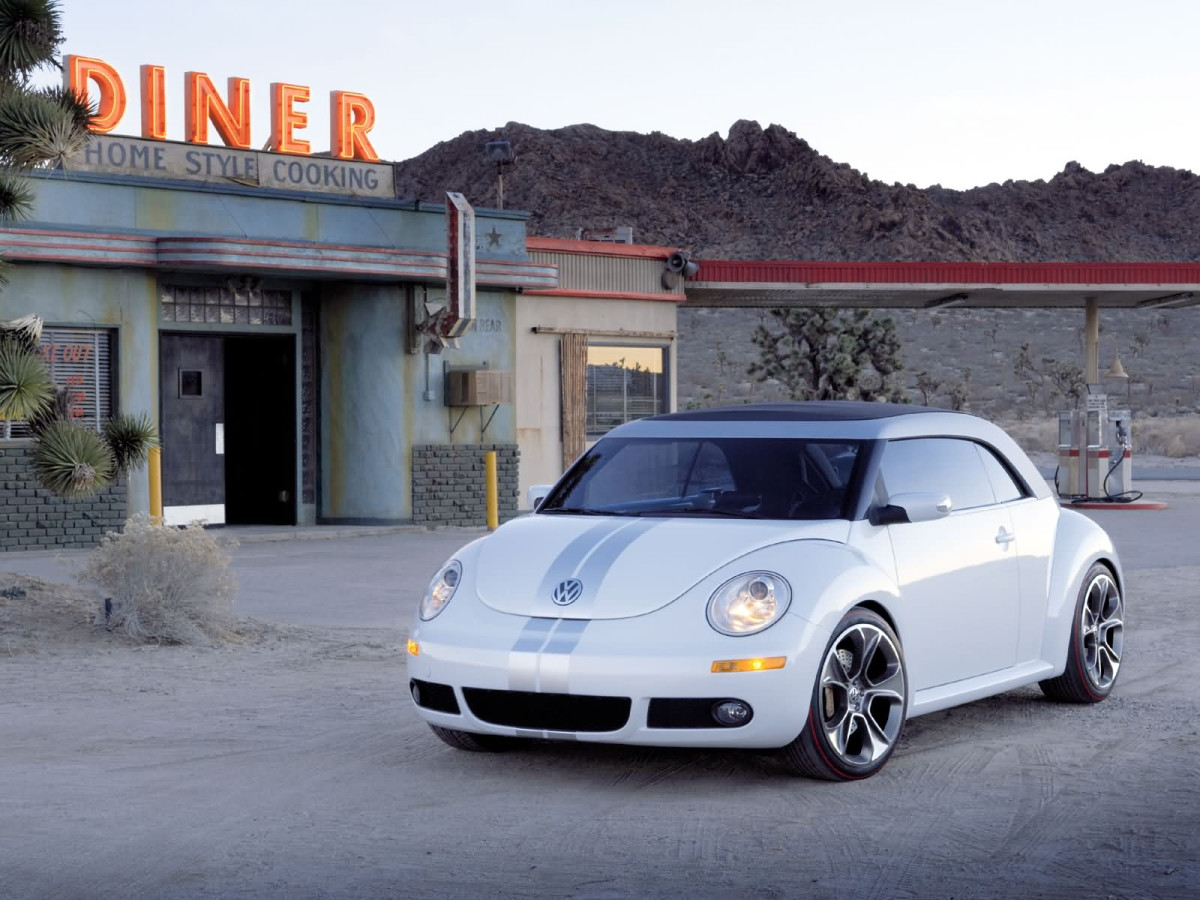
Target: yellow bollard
point(154, 467)
point(492, 492)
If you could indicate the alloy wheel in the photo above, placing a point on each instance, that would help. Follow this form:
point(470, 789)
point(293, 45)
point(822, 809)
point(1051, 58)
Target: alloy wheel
point(862, 694)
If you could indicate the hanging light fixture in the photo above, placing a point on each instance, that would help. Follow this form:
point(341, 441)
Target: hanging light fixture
point(1116, 370)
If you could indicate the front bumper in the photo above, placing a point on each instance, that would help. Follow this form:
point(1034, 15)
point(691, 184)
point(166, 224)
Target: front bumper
point(667, 654)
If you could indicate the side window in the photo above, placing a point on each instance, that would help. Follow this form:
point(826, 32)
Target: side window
point(939, 466)
point(1003, 485)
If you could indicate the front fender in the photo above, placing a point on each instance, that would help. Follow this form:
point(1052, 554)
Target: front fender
point(831, 578)
point(1078, 544)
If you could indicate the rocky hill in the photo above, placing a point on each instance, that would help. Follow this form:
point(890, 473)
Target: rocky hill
point(765, 193)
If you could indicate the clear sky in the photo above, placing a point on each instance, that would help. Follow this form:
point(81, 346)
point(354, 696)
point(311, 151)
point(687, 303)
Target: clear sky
point(959, 93)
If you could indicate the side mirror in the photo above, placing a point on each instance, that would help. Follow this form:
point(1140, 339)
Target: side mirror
point(536, 494)
point(914, 507)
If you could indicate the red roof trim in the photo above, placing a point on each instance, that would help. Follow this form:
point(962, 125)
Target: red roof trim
point(1048, 273)
point(597, 248)
point(604, 295)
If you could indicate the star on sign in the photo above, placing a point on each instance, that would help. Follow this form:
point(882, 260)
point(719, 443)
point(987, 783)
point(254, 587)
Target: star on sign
point(494, 237)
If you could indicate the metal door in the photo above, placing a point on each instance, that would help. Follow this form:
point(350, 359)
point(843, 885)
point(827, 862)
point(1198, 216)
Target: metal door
point(192, 393)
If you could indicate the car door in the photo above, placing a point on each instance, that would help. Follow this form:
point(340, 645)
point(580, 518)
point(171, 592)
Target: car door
point(958, 575)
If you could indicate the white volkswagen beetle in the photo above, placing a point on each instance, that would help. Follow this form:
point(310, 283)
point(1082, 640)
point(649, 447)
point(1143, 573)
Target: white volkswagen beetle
point(804, 576)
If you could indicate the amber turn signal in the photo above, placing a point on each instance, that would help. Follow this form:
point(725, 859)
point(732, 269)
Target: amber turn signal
point(757, 664)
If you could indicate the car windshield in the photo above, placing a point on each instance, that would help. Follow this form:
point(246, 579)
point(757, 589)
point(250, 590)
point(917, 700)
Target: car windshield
point(752, 478)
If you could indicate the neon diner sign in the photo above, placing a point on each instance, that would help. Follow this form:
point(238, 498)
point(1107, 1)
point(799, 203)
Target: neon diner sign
point(351, 115)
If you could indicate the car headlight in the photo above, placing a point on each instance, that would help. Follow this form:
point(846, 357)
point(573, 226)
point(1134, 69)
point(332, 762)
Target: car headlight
point(749, 603)
point(441, 589)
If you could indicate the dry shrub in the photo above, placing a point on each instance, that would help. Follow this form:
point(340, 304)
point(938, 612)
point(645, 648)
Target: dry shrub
point(171, 585)
point(1034, 435)
point(1176, 437)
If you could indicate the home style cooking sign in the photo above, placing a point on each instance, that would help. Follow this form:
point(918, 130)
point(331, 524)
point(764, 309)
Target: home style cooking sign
point(347, 169)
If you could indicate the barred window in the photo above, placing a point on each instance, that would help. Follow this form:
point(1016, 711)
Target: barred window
point(624, 383)
point(79, 360)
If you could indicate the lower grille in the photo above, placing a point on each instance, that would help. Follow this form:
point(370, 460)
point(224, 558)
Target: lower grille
point(438, 697)
point(548, 712)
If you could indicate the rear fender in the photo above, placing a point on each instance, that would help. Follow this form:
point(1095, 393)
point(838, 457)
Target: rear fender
point(1078, 544)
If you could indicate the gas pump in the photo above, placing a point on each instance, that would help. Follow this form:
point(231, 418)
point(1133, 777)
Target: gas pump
point(1095, 455)
point(1119, 479)
point(1067, 477)
point(1095, 428)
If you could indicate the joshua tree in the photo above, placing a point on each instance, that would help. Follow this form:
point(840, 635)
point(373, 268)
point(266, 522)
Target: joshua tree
point(38, 126)
point(829, 354)
point(927, 385)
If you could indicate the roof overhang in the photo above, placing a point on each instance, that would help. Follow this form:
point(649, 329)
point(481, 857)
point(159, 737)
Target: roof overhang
point(942, 285)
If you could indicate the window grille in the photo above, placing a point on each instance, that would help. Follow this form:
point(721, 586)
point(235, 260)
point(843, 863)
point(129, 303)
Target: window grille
point(624, 383)
point(80, 360)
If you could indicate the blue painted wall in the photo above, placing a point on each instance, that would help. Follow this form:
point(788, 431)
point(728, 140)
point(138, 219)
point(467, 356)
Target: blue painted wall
point(372, 397)
point(127, 206)
point(124, 299)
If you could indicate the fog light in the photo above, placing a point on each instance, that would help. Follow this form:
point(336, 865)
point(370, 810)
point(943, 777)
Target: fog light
point(732, 713)
point(415, 691)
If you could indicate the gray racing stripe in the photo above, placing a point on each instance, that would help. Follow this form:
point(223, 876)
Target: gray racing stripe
point(566, 636)
point(523, 658)
point(596, 566)
point(554, 662)
point(573, 555)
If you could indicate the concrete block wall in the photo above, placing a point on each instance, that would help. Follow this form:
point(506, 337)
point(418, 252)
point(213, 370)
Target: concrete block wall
point(448, 483)
point(31, 518)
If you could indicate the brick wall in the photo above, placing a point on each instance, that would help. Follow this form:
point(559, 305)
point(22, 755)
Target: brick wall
point(448, 483)
point(32, 518)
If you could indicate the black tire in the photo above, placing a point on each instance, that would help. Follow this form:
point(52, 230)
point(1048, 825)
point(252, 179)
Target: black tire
point(866, 669)
point(475, 743)
point(1094, 652)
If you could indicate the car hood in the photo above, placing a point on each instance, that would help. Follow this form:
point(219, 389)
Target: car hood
point(624, 566)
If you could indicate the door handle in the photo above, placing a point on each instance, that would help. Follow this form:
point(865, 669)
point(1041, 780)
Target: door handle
point(1005, 537)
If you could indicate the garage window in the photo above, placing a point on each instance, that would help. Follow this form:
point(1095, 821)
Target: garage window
point(624, 382)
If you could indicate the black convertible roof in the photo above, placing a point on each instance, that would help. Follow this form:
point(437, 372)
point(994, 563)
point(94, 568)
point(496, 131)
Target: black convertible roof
point(805, 411)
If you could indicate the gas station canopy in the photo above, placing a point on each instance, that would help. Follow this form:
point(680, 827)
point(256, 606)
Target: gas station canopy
point(941, 285)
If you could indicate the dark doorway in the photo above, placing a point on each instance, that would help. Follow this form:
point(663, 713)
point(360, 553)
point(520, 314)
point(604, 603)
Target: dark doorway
point(192, 392)
point(260, 430)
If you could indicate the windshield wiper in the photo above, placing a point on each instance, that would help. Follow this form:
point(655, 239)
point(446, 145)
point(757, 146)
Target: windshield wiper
point(581, 511)
point(692, 511)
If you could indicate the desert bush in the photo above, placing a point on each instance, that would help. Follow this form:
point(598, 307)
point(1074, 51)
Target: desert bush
point(1177, 437)
point(170, 585)
point(1033, 435)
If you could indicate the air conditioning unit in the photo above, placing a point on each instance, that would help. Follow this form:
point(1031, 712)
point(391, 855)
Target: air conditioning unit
point(478, 387)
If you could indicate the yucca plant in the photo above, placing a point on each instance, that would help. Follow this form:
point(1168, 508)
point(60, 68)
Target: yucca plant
point(130, 438)
point(25, 386)
point(59, 407)
point(38, 126)
point(72, 461)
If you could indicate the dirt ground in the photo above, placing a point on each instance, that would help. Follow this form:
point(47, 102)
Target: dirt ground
point(290, 764)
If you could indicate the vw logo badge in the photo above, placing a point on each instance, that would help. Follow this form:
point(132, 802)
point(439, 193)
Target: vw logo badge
point(568, 592)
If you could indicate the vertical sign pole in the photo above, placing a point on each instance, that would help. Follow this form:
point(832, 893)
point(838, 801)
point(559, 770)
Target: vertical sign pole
point(154, 467)
point(492, 491)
